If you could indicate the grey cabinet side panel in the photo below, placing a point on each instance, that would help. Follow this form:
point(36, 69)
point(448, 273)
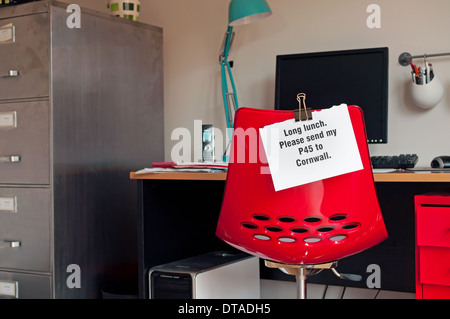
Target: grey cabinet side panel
point(107, 106)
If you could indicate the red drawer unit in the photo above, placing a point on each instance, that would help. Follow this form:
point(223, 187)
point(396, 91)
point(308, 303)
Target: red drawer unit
point(433, 245)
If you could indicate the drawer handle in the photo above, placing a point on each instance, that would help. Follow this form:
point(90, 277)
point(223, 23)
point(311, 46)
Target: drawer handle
point(11, 74)
point(10, 244)
point(10, 159)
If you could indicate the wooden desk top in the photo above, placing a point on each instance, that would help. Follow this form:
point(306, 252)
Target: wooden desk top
point(396, 176)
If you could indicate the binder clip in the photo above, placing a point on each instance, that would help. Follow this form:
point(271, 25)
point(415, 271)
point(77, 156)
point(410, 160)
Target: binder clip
point(303, 113)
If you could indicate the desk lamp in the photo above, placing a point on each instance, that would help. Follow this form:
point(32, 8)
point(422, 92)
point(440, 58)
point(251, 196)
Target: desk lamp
point(239, 12)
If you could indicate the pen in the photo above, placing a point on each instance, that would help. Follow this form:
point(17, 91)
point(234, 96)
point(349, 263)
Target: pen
point(414, 72)
point(431, 71)
point(412, 67)
point(424, 76)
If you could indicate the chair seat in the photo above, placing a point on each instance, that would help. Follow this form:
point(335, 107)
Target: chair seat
point(315, 223)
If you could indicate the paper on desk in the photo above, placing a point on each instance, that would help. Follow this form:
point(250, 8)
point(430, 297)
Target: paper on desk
point(384, 170)
point(177, 170)
point(307, 151)
point(190, 164)
point(164, 167)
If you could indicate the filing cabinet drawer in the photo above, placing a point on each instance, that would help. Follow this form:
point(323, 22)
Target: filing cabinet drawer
point(24, 286)
point(25, 228)
point(435, 292)
point(433, 226)
point(434, 265)
point(24, 62)
point(24, 143)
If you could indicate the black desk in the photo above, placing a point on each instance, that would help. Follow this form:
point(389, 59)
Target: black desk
point(178, 214)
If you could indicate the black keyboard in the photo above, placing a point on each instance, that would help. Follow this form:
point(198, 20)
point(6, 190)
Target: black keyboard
point(396, 161)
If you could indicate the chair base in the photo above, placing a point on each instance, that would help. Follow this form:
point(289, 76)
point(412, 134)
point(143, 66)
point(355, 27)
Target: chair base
point(301, 272)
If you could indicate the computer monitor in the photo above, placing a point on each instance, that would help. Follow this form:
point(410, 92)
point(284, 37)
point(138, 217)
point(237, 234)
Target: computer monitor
point(354, 77)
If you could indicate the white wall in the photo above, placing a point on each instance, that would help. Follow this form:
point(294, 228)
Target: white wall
point(193, 33)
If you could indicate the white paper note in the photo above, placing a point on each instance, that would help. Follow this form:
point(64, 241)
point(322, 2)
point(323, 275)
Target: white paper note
point(307, 151)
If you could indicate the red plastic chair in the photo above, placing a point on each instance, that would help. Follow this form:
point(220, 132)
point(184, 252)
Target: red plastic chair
point(301, 228)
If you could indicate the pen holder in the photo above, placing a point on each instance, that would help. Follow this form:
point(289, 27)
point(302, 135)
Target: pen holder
point(427, 95)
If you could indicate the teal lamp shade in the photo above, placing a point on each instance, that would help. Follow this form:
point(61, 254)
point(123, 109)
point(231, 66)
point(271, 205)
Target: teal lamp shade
point(247, 11)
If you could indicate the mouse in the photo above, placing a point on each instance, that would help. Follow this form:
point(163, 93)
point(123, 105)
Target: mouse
point(441, 162)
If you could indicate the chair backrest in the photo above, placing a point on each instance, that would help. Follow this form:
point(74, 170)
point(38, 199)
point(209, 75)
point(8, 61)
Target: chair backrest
point(314, 223)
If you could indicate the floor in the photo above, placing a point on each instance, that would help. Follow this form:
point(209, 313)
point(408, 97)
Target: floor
point(274, 289)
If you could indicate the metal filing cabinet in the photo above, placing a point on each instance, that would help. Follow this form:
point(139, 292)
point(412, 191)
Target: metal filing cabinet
point(79, 109)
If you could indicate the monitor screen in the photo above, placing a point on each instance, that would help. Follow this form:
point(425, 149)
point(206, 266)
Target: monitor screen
point(354, 77)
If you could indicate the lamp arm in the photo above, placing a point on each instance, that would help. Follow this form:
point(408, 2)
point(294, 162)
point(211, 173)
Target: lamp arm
point(226, 44)
point(229, 98)
point(233, 87)
point(225, 92)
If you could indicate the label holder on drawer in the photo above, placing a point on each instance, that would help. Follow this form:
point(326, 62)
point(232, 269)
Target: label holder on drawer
point(8, 204)
point(9, 288)
point(7, 34)
point(8, 120)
